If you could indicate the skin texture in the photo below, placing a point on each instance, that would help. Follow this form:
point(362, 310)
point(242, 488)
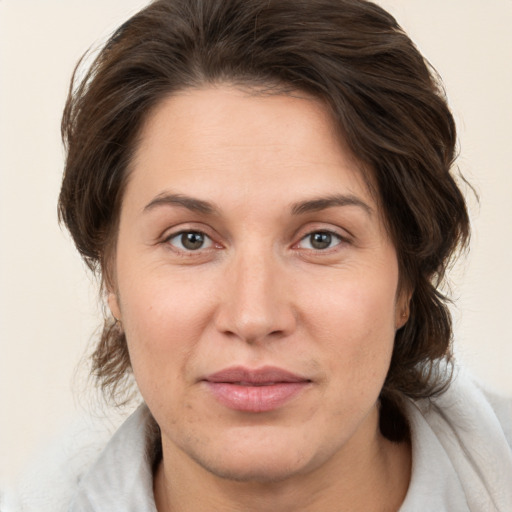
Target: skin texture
point(259, 293)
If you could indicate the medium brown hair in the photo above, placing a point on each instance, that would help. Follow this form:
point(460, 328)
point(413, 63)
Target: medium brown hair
point(382, 94)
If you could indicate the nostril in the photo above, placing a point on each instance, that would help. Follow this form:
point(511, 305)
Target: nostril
point(252, 305)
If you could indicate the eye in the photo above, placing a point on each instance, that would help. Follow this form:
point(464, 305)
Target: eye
point(190, 241)
point(320, 240)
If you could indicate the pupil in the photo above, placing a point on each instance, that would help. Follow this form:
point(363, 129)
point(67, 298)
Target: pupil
point(192, 240)
point(321, 240)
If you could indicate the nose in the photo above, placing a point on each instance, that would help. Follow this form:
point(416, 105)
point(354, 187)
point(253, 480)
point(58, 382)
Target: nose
point(256, 304)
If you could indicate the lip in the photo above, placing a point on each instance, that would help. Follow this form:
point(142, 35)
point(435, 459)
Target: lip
point(255, 390)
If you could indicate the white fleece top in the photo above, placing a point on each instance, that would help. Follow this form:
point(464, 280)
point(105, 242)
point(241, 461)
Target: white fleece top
point(461, 461)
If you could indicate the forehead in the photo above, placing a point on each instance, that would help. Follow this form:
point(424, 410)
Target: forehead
point(236, 144)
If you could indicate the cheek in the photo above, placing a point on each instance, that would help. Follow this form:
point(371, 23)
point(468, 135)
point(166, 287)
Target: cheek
point(354, 307)
point(354, 317)
point(359, 346)
point(163, 319)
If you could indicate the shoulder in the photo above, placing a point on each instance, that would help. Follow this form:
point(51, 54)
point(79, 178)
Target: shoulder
point(468, 406)
point(469, 430)
point(502, 407)
point(53, 476)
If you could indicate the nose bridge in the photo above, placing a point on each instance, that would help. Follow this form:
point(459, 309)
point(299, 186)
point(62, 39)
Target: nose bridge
point(256, 303)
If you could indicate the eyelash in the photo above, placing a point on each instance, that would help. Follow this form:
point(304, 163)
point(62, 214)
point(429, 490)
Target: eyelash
point(179, 237)
point(332, 236)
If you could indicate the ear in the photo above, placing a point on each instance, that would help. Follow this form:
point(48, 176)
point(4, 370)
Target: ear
point(402, 309)
point(113, 304)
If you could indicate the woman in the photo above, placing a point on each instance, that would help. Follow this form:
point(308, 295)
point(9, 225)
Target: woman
point(265, 189)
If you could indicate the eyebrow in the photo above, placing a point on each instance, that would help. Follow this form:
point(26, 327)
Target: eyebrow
point(322, 203)
point(190, 203)
point(299, 208)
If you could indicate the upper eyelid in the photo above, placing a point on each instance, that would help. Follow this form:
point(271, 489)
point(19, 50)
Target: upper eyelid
point(175, 234)
point(172, 234)
point(298, 235)
point(320, 227)
point(191, 227)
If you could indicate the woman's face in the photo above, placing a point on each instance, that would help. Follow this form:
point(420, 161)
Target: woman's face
point(256, 284)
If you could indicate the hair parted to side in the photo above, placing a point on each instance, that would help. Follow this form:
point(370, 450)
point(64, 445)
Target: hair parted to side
point(384, 97)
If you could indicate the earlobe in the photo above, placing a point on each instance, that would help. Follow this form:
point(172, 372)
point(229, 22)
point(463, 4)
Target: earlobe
point(113, 305)
point(401, 318)
point(402, 311)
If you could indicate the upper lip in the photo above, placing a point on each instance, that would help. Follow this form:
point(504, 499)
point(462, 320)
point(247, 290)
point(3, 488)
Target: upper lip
point(258, 376)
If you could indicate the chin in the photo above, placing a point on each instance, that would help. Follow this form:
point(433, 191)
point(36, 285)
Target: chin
point(252, 468)
point(262, 459)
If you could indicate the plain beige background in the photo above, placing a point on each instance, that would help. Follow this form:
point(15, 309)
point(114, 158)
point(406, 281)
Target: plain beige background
point(49, 306)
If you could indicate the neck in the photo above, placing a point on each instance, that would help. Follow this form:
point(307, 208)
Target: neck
point(372, 476)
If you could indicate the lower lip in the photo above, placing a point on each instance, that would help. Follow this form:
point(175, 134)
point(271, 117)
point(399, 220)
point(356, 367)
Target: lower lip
point(255, 398)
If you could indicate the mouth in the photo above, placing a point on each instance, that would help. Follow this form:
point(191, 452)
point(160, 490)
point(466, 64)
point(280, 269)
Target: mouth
point(256, 391)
